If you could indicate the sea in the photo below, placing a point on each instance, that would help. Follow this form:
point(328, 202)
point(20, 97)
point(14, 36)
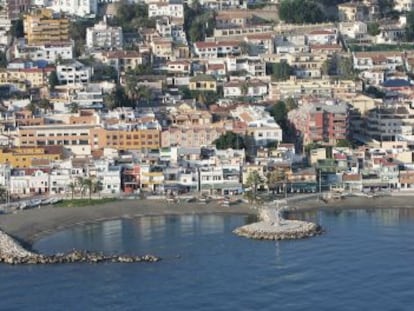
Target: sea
point(363, 261)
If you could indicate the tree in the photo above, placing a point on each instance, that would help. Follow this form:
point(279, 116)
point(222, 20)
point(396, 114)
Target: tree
point(3, 60)
point(88, 183)
point(102, 72)
point(291, 104)
point(375, 92)
point(244, 47)
point(345, 68)
point(3, 194)
point(77, 32)
point(45, 104)
point(385, 7)
point(230, 140)
point(343, 143)
point(135, 91)
point(98, 187)
point(198, 22)
point(32, 107)
point(281, 71)
point(72, 187)
point(74, 107)
point(373, 29)
point(16, 29)
point(275, 178)
point(117, 98)
point(244, 88)
point(254, 180)
point(410, 26)
point(279, 112)
point(53, 80)
point(132, 16)
point(301, 12)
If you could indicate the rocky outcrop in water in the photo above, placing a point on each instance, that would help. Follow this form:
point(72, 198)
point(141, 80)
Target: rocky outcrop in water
point(290, 229)
point(273, 227)
point(11, 252)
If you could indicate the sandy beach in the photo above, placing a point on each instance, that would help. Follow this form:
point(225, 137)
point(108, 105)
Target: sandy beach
point(30, 225)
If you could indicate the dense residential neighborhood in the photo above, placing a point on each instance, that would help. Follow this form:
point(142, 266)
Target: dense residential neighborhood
point(205, 97)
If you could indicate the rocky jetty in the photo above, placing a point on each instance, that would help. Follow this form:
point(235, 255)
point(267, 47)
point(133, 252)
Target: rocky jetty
point(11, 252)
point(273, 227)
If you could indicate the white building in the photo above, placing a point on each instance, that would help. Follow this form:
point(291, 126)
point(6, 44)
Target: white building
point(47, 52)
point(82, 8)
point(328, 36)
point(249, 88)
point(171, 9)
point(102, 36)
point(353, 30)
point(110, 177)
point(215, 49)
point(59, 181)
point(73, 72)
point(168, 28)
point(89, 97)
point(261, 124)
point(253, 66)
point(403, 5)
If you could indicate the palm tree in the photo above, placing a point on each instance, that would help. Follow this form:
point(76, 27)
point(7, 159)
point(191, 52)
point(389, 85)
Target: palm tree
point(254, 180)
point(89, 185)
point(97, 187)
point(80, 181)
point(72, 187)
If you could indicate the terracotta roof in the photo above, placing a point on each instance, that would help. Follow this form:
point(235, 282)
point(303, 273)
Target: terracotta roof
point(351, 177)
point(215, 66)
point(245, 116)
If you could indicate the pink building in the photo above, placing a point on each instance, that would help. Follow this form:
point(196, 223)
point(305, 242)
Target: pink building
point(321, 123)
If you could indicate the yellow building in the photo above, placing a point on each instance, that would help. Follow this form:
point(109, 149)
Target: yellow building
point(75, 136)
point(203, 83)
point(43, 26)
point(22, 157)
point(23, 78)
point(130, 139)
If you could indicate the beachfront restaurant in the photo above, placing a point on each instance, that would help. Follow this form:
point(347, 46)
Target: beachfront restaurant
point(221, 188)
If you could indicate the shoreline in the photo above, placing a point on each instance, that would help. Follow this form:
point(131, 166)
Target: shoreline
point(29, 226)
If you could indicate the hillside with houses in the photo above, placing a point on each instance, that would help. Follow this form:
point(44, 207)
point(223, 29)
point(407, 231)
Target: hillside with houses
point(199, 97)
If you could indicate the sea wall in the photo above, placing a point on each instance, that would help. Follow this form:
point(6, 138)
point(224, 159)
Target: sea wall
point(11, 252)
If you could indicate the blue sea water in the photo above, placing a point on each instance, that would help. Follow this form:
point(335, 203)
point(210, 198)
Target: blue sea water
point(364, 261)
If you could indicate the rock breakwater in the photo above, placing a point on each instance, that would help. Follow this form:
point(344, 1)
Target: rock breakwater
point(273, 227)
point(11, 252)
point(290, 229)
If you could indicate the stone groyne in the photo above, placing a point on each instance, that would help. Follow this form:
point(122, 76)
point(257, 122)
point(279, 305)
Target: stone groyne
point(11, 252)
point(273, 227)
